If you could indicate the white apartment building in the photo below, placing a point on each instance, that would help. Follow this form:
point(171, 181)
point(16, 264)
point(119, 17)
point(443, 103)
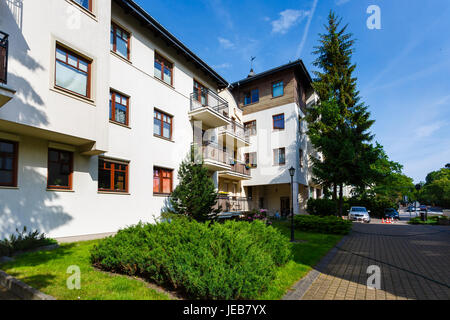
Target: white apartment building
point(99, 104)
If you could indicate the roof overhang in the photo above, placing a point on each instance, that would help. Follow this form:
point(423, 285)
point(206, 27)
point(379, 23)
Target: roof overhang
point(298, 66)
point(147, 21)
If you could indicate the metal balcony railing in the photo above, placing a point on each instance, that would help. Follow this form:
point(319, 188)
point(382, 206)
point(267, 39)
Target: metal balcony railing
point(211, 100)
point(236, 129)
point(240, 168)
point(213, 152)
point(234, 204)
point(3, 57)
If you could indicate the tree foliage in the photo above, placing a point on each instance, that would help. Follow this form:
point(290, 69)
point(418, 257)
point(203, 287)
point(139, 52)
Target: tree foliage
point(195, 196)
point(436, 189)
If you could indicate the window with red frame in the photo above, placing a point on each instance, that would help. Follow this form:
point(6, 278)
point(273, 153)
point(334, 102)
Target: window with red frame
point(60, 169)
point(112, 176)
point(163, 69)
point(120, 41)
point(8, 163)
point(72, 72)
point(162, 181)
point(162, 124)
point(118, 108)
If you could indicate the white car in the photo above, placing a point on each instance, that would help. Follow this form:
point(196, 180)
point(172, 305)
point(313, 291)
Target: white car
point(359, 214)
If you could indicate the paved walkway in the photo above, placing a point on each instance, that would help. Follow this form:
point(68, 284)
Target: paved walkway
point(414, 263)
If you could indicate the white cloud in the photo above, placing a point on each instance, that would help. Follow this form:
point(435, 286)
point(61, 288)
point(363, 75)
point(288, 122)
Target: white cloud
point(222, 66)
point(308, 24)
point(225, 43)
point(427, 130)
point(288, 19)
point(341, 2)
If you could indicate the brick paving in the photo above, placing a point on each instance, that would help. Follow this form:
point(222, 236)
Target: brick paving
point(414, 263)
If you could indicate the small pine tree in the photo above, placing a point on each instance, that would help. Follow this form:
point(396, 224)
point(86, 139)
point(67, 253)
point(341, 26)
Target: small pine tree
point(195, 196)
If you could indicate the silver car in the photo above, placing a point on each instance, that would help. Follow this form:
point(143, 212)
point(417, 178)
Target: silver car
point(359, 214)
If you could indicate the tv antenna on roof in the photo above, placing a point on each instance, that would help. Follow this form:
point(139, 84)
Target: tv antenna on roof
point(252, 73)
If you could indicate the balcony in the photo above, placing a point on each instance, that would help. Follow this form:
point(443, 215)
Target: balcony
point(234, 134)
point(210, 109)
point(6, 93)
point(238, 171)
point(234, 204)
point(214, 158)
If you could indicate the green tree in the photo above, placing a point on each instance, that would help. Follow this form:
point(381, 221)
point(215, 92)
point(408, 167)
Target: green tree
point(339, 125)
point(195, 196)
point(436, 189)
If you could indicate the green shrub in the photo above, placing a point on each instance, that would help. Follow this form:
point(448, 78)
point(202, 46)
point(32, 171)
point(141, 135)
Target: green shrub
point(23, 241)
point(233, 260)
point(432, 220)
point(322, 207)
point(331, 225)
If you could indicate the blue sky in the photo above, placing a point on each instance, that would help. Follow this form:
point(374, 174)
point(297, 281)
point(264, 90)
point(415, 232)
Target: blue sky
point(403, 68)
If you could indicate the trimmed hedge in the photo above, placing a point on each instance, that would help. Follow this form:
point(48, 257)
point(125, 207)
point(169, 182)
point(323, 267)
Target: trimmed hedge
point(234, 260)
point(322, 207)
point(332, 225)
point(23, 241)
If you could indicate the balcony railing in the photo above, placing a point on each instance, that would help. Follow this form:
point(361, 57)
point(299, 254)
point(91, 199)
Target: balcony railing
point(3, 57)
point(213, 152)
point(234, 204)
point(240, 168)
point(211, 100)
point(236, 129)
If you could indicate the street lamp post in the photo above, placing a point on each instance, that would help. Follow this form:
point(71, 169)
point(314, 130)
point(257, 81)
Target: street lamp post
point(292, 172)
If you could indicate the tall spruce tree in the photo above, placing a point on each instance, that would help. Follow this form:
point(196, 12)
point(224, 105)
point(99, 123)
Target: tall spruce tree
point(339, 125)
point(195, 196)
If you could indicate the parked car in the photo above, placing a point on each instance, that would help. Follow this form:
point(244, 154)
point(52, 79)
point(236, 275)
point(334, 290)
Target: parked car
point(435, 211)
point(412, 209)
point(391, 213)
point(359, 214)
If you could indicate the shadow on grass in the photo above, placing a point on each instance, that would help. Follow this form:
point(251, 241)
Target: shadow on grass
point(37, 258)
point(38, 281)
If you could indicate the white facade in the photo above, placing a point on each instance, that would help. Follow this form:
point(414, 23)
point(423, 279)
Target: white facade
point(41, 116)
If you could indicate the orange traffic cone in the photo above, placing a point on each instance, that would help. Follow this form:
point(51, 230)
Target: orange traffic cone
point(382, 220)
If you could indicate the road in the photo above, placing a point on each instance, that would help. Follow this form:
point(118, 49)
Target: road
point(413, 262)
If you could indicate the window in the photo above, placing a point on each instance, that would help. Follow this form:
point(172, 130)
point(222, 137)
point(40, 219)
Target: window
point(162, 125)
point(112, 176)
point(277, 89)
point(251, 97)
point(60, 169)
point(200, 93)
point(118, 108)
point(72, 72)
point(250, 128)
point(278, 122)
point(120, 41)
point(8, 163)
point(162, 181)
point(279, 156)
point(251, 159)
point(163, 69)
point(87, 4)
point(301, 158)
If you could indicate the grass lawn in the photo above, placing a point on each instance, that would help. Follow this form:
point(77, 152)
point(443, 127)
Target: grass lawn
point(46, 271)
point(306, 255)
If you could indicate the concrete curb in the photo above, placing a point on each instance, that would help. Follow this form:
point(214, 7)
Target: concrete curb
point(20, 289)
point(299, 289)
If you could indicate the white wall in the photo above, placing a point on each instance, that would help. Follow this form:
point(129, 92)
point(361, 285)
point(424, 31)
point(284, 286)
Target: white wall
point(84, 210)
